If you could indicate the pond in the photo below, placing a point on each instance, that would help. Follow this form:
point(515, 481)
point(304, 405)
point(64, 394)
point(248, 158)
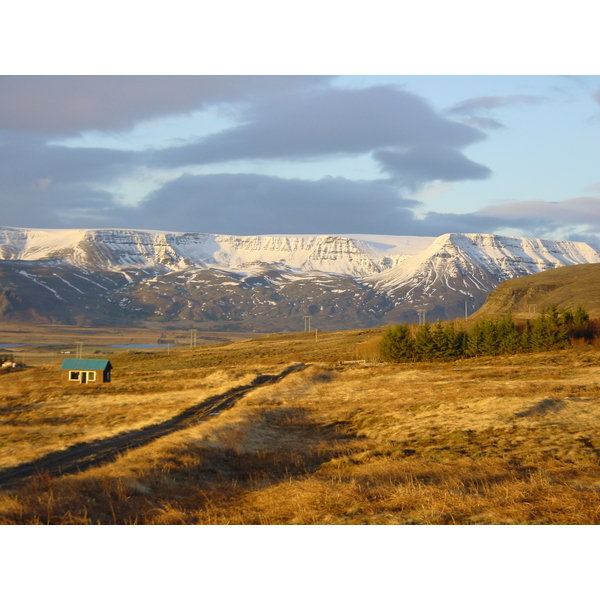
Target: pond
point(139, 346)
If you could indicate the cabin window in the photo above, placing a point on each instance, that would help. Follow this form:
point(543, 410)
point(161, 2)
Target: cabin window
point(83, 376)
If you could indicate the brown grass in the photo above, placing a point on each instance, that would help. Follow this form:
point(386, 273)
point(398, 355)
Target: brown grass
point(512, 440)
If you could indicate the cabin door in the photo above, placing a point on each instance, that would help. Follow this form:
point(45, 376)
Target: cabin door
point(83, 377)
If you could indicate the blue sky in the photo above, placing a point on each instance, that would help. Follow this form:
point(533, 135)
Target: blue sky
point(300, 153)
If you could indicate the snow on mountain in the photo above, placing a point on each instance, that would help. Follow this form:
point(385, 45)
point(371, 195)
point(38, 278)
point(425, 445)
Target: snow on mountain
point(482, 260)
point(347, 281)
point(170, 251)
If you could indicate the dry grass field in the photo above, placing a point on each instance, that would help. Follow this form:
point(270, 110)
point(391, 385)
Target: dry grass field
point(503, 440)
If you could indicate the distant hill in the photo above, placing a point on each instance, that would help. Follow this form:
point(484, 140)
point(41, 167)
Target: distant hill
point(566, 287)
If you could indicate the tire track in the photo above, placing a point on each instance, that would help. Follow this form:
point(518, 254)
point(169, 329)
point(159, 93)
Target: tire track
point(82, 456)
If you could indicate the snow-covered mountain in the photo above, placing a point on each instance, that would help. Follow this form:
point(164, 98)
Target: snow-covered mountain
point(114, 249)
point(467, 267)
point(262, 282)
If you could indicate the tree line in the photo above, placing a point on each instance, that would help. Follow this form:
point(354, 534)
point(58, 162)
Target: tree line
point(551, 330)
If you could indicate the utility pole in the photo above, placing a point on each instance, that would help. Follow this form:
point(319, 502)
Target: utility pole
point(306, 323)
point(193, 338)
point(79, 350)
point(421, 312)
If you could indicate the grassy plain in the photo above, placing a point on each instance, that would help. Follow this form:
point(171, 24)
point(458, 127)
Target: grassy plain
point(46, 344)
point(512, 440)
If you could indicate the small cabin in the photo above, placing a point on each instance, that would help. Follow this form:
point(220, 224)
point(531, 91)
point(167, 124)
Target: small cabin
point(84, 370)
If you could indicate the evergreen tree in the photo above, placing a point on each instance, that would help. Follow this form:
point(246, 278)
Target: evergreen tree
point(581, 318)
point(397, 344)
point(526, 344)
point(558, 335)
point(474, 340)
point(442, 340)
point(424, 347)
point(461, 340)
point(567, 319)
point(582, 326)
point(540, 333)
point(490, 338)
point(509, 339)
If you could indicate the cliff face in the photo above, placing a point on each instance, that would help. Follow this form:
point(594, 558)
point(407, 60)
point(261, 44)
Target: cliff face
point(265, 283)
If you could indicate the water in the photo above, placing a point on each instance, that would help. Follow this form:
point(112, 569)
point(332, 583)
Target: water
point(8, 346)
point(139, 346)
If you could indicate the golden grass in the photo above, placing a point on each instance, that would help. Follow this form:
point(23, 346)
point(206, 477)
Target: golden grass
point(512, 440)
point(42, 414)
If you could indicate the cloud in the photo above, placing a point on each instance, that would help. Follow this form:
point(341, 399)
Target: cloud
point(26, 159)
point(483, 123)
point(484, 104)
point(247, 204)
point(543, 217)
point(66, 105)
point(279, 118)
point(423, 164)
point(54, 186)
point(326, 121)
point(52, 205)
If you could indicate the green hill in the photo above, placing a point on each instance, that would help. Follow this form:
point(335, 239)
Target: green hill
point(566, 287)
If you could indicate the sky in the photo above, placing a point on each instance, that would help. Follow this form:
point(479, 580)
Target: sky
point(301, 153)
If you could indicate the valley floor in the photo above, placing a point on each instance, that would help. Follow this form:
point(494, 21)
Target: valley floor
point(507, 440)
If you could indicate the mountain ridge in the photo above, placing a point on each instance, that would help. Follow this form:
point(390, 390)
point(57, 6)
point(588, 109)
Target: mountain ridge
point(266, 283)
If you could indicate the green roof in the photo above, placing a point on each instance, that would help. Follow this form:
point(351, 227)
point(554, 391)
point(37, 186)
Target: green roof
point(86, 364)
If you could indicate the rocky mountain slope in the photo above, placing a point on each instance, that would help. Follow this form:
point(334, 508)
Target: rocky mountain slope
point(262, 283)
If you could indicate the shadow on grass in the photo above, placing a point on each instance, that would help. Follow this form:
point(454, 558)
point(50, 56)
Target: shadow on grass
point(88, 454)
point(189, 483)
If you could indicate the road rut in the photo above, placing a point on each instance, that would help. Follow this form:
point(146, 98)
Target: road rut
point(82, 456)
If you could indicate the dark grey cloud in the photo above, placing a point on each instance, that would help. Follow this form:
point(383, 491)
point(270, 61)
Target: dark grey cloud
point(324, 122)
point(422, 164)
point(246, 204)
point(52, 205)
point(25, 160)
point(243, 204)
point(66, 105)
point(44, 184)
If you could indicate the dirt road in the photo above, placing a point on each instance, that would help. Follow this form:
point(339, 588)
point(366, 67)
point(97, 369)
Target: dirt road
point(83, 456)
